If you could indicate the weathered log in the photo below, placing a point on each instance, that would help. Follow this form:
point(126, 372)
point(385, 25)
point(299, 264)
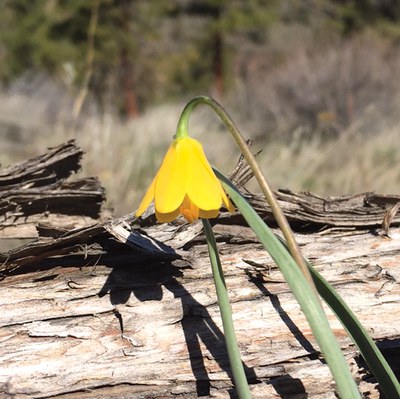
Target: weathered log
point(128, 309)
point(37, 191)
point(142, 321)
point(361, 210)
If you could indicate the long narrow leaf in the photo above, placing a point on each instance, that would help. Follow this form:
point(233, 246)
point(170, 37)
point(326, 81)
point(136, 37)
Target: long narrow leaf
point(370, 352)
point(367, 347)
point(359, 335)
point(301, 289)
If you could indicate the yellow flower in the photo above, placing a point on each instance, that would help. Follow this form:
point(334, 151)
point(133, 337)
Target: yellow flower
point(185, 184)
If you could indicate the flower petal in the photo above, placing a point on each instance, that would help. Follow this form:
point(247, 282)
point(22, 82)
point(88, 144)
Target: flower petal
point(203, 187)
point(227, 202)
point(189, 210)
point(200, 152)
point(208, 214)
point(147, 199)
point(167, 217)
point(170, 186)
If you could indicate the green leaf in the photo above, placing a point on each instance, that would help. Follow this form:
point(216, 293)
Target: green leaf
point(370, 352)
point(301, 289)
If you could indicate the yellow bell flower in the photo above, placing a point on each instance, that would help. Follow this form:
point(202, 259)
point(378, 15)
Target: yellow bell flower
point(185, 184)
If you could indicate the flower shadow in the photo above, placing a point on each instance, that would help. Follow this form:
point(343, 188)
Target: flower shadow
point(257, 279)
point(146, 283)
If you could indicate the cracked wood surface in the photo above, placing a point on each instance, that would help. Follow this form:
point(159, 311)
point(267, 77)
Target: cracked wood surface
point(143, 326)
point(125, 309)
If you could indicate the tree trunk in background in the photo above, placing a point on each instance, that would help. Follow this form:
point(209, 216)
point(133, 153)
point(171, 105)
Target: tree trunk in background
point(218, 54)
point(218, 65)
point(131, 109)
point(127, 85)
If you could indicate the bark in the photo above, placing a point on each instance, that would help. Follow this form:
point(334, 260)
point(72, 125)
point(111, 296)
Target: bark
point(127, 308)
point(37, 192)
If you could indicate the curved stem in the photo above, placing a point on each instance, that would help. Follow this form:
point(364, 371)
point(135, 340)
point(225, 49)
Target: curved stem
point(238, 373)
point(283, 224)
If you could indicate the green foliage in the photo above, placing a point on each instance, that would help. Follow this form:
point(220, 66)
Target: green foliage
point(160, 49)
point(50, 35)
point(39, 35)
point(348, 16)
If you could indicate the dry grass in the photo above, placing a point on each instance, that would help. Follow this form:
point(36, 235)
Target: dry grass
point(353, 163)
point(125, 156)
point(336, 150)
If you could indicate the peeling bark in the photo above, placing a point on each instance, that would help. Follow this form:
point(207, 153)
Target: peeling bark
point(37, 191)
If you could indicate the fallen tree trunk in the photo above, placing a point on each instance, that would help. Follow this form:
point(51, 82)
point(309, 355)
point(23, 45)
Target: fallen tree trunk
point(128, 309)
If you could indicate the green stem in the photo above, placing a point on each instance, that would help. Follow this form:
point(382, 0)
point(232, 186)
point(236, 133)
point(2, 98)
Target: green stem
point(239, 376)
point(182, 131)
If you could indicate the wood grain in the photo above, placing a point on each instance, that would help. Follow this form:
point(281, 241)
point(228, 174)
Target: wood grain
point(38, 191)
point(127, 308)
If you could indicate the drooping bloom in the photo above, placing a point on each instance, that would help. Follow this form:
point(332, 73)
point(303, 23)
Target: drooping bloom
point(185, 184)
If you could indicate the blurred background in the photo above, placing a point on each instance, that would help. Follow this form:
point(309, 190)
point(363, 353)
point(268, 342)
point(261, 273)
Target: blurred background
point(315, 84)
